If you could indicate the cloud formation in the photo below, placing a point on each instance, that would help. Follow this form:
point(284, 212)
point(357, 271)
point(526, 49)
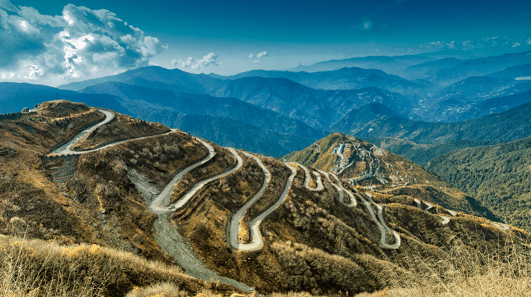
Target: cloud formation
point(84, 42)
point(494, 41)
point(208, 60)
point(262, 54)
point(259, 55)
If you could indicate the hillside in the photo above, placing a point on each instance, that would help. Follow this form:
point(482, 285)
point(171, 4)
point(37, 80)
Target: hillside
point(233, 221)
point(497, 175)
point(378, 170)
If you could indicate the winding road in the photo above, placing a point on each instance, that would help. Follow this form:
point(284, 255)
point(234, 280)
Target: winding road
point(254, 224)
point(166, 235)
point(353, 202)
point(446, 220)
point(164, 196)
point(503, 227)
point(339, 190)
point(234, 225)
point(378, 219)
point(307, 178)
point(67, 148)
point(190, 194)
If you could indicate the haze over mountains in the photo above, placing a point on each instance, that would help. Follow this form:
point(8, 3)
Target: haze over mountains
point(293, 109)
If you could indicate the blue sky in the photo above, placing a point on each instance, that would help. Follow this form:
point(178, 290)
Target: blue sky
point(55, 41)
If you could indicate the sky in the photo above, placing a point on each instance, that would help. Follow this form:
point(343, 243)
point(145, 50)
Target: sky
point(55, 42)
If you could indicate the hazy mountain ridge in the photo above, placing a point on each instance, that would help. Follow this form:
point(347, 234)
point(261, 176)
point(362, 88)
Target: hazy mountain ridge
point(204, 105)
point(507, 126)
point(343, 79)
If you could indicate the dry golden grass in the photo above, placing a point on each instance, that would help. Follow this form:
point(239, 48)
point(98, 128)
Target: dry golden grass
point(39, 268)
point(486, 271)
point(158, 290)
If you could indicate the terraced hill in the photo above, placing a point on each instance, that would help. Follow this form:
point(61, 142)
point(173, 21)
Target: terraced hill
point(247, 222)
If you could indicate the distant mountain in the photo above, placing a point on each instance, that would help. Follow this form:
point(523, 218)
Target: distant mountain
point(283, 96)
point(501, 104)
point(153, 77)
point(15, 96)
point(389, 64)
point(429, 68)
point(496, 175)
point(358, 117)
point(281, 135)
point(136, 97)
point(475, 97)
point(510, 125)
point(232, 133)
point(519, 72)
point(344, 79)
point(478, 67)
point(317, 108)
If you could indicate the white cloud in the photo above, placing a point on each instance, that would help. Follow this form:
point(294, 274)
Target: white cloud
point(529, 41)
point(259, 55)
point(208, 60)
point(440, 44)
point(256, 61)
point(262, 54)
point(83, 43)
point(516, 44)
point(182, 63)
